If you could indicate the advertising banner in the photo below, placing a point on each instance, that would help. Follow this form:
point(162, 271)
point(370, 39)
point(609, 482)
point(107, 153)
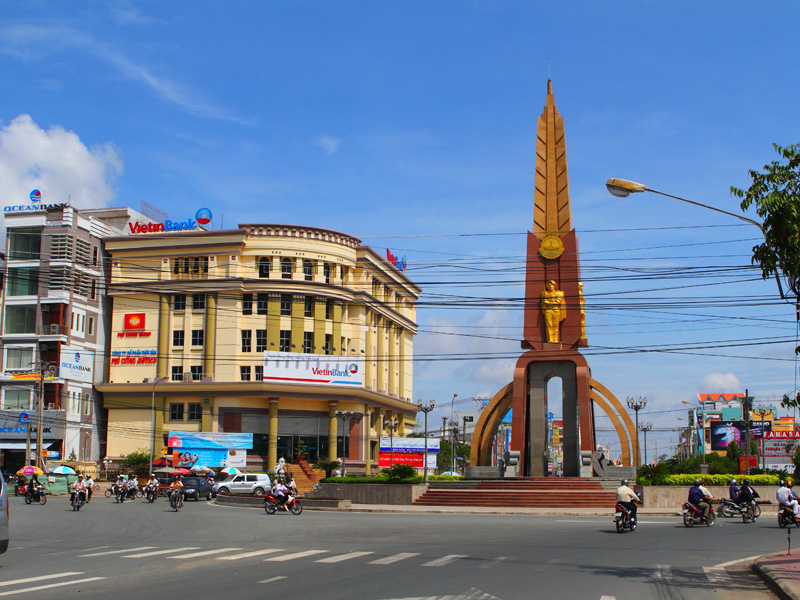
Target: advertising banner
point(400, 458)
point(725, 432)
point(404, 444)
point(313, 369)
point(191, 449)
point(76, 364)
point(235, 458)
point(781, 443)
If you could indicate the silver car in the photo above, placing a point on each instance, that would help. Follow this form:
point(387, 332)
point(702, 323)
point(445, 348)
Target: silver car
point(3, 516)
point(257, 484)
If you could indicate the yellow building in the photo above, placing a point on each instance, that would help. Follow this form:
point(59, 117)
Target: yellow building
point(266, 329)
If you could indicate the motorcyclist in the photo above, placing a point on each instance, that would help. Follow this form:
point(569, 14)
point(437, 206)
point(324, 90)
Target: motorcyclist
point(78, 487)
point(734, 491)
point(281, 493)
point(786, 497)
point(33, 488)
point(176, 487)
point(152, 484)
point(699, 496)
point(131, 486)
point(627, 498)
point(119, 484)
point(747, 494)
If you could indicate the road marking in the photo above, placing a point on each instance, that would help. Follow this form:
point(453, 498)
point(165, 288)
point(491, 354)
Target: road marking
point(41, 578)
point(204, 553)
point(738, 560)
point(116, 551)
point(394, 558)
point(50, 586)
point(494, 562)
point(717, 575)
point(249, 554)
point(271, 579)
point(342, 557)
point(286, 557)
point(96, 548)
point(159, 552)
point(608, 598)
point(663, 572)
point(445, 560)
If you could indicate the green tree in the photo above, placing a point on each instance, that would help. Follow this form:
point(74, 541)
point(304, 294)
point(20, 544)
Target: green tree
point(138, 461)
point(329, 466)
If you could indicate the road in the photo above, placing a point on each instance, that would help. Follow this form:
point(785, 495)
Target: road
point(209, 551)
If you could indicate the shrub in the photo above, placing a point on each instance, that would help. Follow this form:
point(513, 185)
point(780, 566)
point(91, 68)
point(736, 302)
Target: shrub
point(687, 479)
point(329, 466)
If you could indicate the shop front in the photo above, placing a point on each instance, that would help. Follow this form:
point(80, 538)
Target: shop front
point(14, 425)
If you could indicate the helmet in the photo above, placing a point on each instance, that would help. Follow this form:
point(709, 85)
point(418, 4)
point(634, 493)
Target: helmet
point(624, 482)
point(696, 482)
point(733, 482)
point(783, 483)
point(788, 484)
point(747, 482)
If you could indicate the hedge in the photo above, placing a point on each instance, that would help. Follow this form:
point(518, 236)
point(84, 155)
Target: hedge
point(687, 479)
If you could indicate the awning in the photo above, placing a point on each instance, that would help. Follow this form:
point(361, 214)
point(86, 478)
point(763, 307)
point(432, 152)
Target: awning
point(21, 445)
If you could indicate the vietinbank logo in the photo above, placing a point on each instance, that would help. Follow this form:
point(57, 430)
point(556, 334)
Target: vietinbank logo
point(187, 225)
point(312, 369)
point(332, 372)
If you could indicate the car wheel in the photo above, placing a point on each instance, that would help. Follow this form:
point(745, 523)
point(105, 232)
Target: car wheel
point(197, 496)
point(223, 490)
point(258, 492)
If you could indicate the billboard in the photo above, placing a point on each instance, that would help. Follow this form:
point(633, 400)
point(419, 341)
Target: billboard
point(209, 449)
point(724, 433)
point(404, 444)
point(313, 369)
point(76, 364)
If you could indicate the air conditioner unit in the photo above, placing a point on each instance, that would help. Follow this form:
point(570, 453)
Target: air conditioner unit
point(51, 406)
point(55, 329)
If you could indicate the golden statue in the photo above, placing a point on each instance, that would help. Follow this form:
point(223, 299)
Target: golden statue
point(582, 303)
point(554, 308)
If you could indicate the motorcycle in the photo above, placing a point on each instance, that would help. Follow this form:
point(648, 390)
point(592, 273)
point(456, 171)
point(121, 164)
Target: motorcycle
point(749, 511)
point(271, 504)
point(623, 519)
point(120, 494)
point(176, 500)
point(150, 493)
point(787, 517)
point(38, 495)
point(693, 515)
point(77, 500)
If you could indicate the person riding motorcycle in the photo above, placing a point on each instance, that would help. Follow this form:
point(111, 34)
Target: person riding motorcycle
point(119, 484)
point(787, 497)
point(734, 491)
point(281, 494)
point(78, 487)
point(33, 488)
point(152, 484)
point(131, 486)
point(698, 495)
point(176, 487)
point(627, 498)
point(747, 494)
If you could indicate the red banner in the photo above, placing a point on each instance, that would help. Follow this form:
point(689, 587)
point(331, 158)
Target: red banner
point(415, 459)
point(134, 321)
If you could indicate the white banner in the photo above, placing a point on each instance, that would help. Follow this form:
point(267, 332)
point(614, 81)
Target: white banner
point(313, 369)
point(235, 458)
point(404, 444)
point(76, 364)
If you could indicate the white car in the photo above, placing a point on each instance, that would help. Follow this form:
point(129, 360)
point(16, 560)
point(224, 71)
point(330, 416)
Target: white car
point(257, 484)
point(3, 516)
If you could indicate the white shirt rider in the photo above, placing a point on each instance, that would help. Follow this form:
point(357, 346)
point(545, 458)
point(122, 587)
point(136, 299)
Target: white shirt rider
point(785, 496)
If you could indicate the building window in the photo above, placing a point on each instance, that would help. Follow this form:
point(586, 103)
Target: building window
point(24, 243)
point(90, 331)
point(328, 343)
point(175, 412)
point(309, 307)
point(247, 338)
point(247, 304)
point(263, 267)
point(19, 358)
point(179, 302)
point(94, 256)
point(259, 372)
point(20, 318)
point(177, 337)
point(286, 304)
point(197, 337)
point(190, 264)
point(197, 372)
point(326, 271)
point(23, 281)
point(198, 301)
point(261, 340)
point(244, 373)
point(286, 341)
point(16, 399)
point(286, 268)
point(308, 270)
point(177, 373)
point(194, 412)
point(308, 341)
point(329, 309)
point(262, 304)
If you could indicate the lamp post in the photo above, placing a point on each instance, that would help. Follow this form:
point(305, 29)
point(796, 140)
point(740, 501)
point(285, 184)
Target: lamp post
point(636, 406)
point(645, 427)
point(425, 408)
point(346, 415)
point(391, 425)
point(153, 419)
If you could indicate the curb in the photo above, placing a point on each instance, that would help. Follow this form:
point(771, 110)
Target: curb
point(775, 570)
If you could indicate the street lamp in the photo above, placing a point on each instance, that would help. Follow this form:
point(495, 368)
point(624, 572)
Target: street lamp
point(644, 428)
point(391, 425)
point(636, 406)
point(425, 408)
point(153, 419)
point(346, 416)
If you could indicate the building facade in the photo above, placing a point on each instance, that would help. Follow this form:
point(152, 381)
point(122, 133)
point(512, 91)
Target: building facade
point(300, 336)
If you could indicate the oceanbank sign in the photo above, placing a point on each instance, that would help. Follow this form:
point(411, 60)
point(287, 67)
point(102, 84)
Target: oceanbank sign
point(201, 217)
point(76, 364)
point(314, 369)
point(35, 205)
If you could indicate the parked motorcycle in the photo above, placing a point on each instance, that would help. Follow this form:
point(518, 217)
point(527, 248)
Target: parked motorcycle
point(38, 495)
point(271, 504)
point(748, 511)
point(693, 515)
point(786, 517)
point(77, 500)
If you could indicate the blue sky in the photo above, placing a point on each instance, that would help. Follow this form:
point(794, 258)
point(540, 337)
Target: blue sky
point(411, 125)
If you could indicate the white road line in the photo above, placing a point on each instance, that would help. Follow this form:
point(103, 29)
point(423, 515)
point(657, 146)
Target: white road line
point(50, 586)
point(445, 560)
point(717, 575)
point(96, 548)
point(159, 552)
point(342, 557)
point(249, 554)
point(608, 598)
point(204, 553)
point(41, 578)
point(663, 572)
point(494, 562)
point(394, 558)
point(286, 557)
point(116, 551)
point(271, 579)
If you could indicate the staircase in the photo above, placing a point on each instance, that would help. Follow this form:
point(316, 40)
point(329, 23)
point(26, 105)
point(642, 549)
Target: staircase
point(304, 476)
point(528, 492)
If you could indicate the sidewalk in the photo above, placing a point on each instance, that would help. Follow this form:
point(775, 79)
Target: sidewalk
point(781, 572)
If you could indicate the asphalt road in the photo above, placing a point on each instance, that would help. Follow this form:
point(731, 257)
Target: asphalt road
point(210, 551)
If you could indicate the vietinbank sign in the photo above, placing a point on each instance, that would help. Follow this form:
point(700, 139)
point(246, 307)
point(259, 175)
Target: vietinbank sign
point(312, 369)
point(202, 217)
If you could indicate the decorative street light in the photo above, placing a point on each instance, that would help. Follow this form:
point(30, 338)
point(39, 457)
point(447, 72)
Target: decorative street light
point(644, 428)
point(391, 425)
point(346, 415)
point(153, 419)
point(425, 408)
point(636, 406)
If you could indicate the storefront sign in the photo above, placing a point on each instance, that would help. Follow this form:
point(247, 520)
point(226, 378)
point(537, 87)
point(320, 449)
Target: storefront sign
point(35, 198)
point(129, 358)
point(187, 225)
point(47, 375)
point(404, 444)
point(387, 459)
point(313, 369)
point(76, 364)
point(12, 428)
point(133, 326)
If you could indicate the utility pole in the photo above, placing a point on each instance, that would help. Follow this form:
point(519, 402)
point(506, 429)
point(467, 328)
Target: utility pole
point(425, 408)
point(43, 368)
point(746, 405)
point(636, 406)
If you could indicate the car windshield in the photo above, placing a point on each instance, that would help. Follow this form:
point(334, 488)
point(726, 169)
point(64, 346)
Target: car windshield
point(191, 481)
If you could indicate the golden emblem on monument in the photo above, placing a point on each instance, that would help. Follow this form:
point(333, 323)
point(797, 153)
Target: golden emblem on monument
point(551, 246)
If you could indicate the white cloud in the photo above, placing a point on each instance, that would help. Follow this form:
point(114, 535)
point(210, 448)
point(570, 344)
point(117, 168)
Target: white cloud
point(328, 143)
point(56, 162)
point(721, 383)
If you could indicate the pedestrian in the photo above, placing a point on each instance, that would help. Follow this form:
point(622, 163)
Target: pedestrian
point(89, 487)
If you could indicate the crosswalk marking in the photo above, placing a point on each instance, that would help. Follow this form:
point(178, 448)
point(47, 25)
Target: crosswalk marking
point(159, 552)
point(394, 558)
point(717, 574)
point(663, 572)
point(204, 553)
point(117, 551)
point(342, 557)
point(40, 578)
point(608, 598)
point(249, 554)
point(49, 586)
point(445, 560)
point(286, 557)
point(271, 579)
